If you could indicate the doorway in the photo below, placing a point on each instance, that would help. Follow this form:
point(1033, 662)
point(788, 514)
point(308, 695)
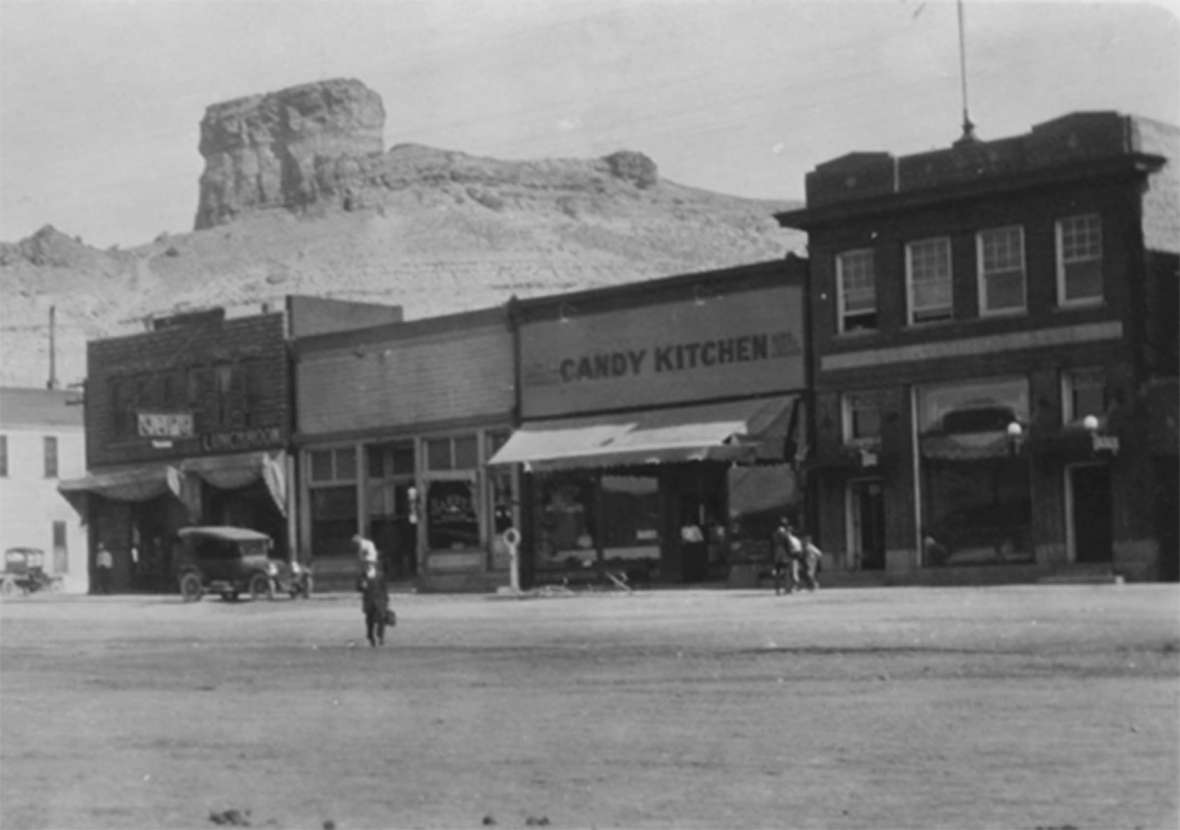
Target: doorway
point(866, 524)
point(1089, 503)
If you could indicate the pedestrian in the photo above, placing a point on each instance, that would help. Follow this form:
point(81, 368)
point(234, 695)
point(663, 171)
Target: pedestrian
point(366, 551)
point(104, 563)
point(375, 604)
point(810, 563)
point(788, 551)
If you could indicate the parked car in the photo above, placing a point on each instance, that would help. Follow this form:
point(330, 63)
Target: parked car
point(231, 561)
point(24, 569)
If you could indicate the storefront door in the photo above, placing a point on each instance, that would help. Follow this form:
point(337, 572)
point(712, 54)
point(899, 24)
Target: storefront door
point(1090, 508)
point(866, 524)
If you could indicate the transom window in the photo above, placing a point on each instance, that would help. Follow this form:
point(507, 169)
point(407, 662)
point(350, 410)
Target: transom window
point(333, 465)
point(459, 453)
point(1083, 393)
point(1001, 269)
point(1079, 259)
point(862, 418)
point(856, 291)
point(928, 280)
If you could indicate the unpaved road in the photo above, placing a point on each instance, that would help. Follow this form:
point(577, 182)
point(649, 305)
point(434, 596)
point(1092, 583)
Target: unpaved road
point(1018, 707)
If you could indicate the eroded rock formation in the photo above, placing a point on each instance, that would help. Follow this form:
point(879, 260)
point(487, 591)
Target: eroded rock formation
point(286, 148)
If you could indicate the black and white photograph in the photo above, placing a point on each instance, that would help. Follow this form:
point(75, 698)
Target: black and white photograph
point(695, 414)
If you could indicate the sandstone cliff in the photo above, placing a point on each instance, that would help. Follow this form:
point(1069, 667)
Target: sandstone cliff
point(433, 230)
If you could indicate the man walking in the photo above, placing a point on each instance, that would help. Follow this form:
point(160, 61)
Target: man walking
point(374, 603)
point(788, 550)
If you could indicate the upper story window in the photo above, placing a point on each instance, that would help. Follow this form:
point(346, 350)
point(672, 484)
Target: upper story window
point(49, 443)
point(1083, 393)
point(1079, 259)
point(862, 418)
point(928, 280)
point(3, 456)
point(1001, 270)
point(856, 291)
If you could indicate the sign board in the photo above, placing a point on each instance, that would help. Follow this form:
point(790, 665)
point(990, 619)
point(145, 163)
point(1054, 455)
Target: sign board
point(748, 342)
point(165, 424)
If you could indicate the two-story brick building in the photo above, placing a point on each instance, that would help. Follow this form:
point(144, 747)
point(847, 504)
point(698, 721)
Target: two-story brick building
point(189, 423)
point(995, 352)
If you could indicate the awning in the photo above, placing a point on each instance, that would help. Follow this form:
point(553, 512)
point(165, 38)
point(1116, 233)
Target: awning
point(965, 446)
point(232, 472)
point(739, 430)
point(140, 483)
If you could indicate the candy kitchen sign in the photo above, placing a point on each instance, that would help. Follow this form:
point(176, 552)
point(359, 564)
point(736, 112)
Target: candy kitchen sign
point(745, 343)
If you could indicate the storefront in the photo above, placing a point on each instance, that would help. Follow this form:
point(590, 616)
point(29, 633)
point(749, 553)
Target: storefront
point(396, 424)
point(660, 424)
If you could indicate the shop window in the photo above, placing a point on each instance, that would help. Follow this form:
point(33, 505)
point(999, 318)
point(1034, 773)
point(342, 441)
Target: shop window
point(976, 498)
point(49, 443)
point(1084, 393)
point(1079, 260)
point(333, 519)
point(501, 491)
point(1000, 254)
point(631, 526)
point(856, 291)
point(928, 280)
point(459, 453)
point(452, 516)
point(3, 456)
point(566, 527)
point(862, 418)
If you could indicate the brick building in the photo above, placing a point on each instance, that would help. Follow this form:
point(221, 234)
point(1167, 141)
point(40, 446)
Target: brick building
point(994, 330)
point(189, 423)
point(396, 423)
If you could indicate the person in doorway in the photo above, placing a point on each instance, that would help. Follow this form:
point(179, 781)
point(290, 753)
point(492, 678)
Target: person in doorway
point(104, 564)
point(375, 604)
point(788, 551)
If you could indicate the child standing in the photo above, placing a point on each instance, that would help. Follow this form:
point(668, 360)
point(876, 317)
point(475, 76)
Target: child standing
point(375, 603)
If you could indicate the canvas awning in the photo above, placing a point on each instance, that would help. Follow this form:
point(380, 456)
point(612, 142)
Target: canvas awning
point(140, 483)
point(231, 472)
point(965, 446)
point(738, 430)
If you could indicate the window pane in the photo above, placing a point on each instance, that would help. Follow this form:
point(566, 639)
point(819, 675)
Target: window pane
point(345, 464)
point(452, 521)
point(375, 457)
point(1083, 280)
point(438, 454)
point(566, 533)
point(50, 456)
point(403, 459)
point(466, 453)
point(1004, 291)
point(858, 289)
point(1086, 393)
point(1079, 240)
point(1001, 261)
point(321, 465)
point(633, 532)
point(930, 278)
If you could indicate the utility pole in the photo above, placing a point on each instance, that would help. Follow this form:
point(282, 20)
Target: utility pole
point(52, 384)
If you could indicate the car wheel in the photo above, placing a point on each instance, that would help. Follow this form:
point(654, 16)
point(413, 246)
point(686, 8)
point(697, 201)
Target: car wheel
point(8, 586)
point(190, 587)
point(260, 586)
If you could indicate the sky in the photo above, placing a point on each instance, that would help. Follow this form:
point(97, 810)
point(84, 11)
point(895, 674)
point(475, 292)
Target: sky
point(101, 100)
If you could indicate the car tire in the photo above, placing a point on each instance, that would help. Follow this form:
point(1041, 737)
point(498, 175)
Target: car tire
point(191, 588)
point(261, 586)
point(8, 586)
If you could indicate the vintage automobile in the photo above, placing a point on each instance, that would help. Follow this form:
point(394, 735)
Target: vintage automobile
point(231, 561)
point(24, 570)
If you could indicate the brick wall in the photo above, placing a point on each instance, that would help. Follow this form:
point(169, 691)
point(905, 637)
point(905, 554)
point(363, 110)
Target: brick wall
point(162, 370)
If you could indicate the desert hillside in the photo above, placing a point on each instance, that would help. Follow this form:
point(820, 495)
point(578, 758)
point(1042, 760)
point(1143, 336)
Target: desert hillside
point(304, 207)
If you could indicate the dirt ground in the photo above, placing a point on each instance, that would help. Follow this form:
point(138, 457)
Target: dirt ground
point(1015, 707)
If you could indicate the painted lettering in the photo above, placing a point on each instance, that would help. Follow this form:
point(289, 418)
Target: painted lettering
point(709, 353)
point(675, 357)
point(568, 369)
point(664, 359)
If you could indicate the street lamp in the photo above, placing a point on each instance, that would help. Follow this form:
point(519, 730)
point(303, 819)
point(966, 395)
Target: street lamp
point(1090, 422)
point(1015, 434)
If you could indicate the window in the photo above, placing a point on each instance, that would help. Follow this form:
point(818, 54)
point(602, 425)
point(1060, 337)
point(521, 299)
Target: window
point(50, 446)
point(1079, 259)
point(928, 280)
point(61, 557)
point(862, 419)
point(452, 453)
point(856, 291)
point(3, 456)
point(333, 465)
point(1000, 254)
point(1083, 393)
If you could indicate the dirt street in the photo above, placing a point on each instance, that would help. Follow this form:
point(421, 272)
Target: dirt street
point(1016, 707)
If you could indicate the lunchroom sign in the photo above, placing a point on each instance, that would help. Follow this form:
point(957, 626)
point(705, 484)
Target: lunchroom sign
point(745, 343)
